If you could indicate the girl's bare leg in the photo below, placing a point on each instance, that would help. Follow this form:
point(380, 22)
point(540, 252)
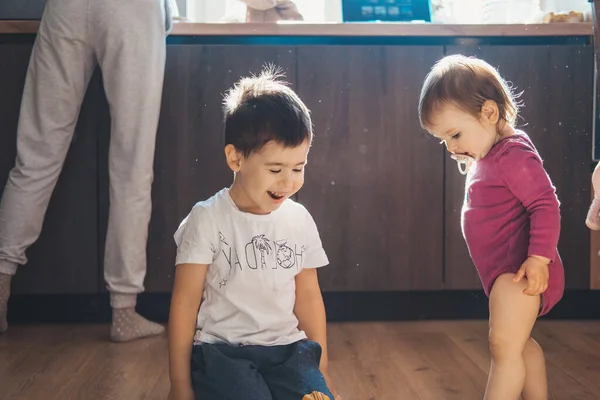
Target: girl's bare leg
point(536, 381)
point(512, 316)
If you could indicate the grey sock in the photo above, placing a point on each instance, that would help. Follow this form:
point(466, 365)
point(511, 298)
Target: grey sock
point(128, 325)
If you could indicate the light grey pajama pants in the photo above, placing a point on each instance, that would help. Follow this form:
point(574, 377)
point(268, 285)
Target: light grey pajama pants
point(127, 39)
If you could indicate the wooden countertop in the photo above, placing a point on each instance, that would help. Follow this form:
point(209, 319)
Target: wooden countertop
point(349, 29)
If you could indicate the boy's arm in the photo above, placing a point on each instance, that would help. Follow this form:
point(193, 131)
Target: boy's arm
point(185, 301)
point(310, 311)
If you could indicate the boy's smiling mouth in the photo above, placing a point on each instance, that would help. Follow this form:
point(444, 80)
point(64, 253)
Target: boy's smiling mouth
point(276, 195)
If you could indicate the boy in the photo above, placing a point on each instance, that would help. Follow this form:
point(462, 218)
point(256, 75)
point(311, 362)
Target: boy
point(247, 319)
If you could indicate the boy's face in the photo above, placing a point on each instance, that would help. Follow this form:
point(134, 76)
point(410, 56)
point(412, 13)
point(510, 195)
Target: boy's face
point(267, 177)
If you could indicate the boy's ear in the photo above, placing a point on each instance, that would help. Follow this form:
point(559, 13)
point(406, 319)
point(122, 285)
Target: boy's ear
point(490, 112)
point(234, 158)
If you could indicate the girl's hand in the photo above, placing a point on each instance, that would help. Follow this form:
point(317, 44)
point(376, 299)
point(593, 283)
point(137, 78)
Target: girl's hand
point(536, 270)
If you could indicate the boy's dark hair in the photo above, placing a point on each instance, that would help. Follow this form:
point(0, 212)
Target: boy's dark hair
point(260, 109)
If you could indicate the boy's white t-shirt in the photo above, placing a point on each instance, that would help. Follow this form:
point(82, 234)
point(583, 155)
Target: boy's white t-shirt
point(249, 293)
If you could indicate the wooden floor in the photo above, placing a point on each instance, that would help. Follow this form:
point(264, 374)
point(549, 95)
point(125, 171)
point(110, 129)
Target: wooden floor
point(395, 361)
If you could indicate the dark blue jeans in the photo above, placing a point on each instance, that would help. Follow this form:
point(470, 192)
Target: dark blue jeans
point(291, 372)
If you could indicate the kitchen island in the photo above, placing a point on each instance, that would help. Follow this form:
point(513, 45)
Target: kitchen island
point(384, 194)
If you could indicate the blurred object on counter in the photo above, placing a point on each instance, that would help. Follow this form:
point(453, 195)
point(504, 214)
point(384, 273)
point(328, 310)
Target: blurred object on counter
point(571, 16)
point(267, 11)
point(566, 11)
point(272, 11)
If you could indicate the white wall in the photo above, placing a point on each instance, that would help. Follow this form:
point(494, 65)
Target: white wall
point(205, 10)
point(214, 10)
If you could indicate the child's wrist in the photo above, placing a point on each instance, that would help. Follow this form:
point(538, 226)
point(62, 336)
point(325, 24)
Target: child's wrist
point(541, 258)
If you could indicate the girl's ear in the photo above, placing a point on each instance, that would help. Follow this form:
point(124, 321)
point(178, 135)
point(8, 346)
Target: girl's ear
point(490, 112)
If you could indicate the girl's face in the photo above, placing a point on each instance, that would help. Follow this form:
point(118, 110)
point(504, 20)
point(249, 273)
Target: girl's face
point(465, 135)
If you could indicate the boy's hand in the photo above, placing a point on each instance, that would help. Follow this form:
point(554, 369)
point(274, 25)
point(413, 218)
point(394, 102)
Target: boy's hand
point(329, 382)
point(536, 270)
point(181, 392)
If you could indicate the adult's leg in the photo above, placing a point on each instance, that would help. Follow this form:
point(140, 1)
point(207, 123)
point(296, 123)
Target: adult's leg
point(59, 71)
point(131, 51)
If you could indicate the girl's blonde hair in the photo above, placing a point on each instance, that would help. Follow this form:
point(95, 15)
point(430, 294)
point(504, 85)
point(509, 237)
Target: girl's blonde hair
point(467, 83)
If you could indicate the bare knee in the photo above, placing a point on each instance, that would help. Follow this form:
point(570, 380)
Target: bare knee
point(533, 350)
point(512, 315)
point(502, 346)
